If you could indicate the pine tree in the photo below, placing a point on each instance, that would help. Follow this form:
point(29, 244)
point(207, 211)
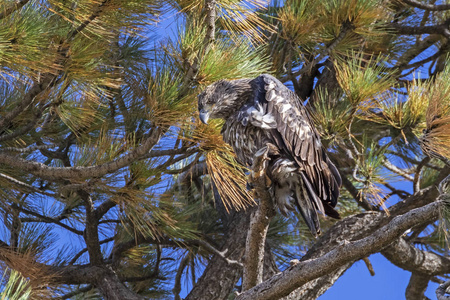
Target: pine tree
point(111, 188)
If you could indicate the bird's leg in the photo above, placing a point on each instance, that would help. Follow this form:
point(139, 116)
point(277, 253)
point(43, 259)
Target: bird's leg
point(260, 164)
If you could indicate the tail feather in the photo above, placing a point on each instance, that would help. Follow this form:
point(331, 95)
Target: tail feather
point(307, 208)
point(294, 188)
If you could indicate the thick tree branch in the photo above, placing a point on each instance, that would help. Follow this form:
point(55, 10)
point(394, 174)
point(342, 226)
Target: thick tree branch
point(112, 288)
point(409, 258)
point(259, 223)
point(103, 208)
point(284, 283)
point(221, 271)
point(78, 255)
point(177, 286)
point(417, 286)
point(210, 7)
point(91, 231)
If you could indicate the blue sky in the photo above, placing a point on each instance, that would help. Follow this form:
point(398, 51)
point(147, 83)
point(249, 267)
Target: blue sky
point(389, 282)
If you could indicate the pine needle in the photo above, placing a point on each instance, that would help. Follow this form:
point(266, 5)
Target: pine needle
point(436, 138)
point(229, 179)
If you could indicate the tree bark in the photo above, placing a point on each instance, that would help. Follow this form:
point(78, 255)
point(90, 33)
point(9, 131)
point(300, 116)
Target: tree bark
point(417, 286)
point(220, 277)
point(112, 288)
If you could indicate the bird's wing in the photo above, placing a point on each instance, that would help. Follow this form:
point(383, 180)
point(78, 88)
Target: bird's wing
point(292, 131)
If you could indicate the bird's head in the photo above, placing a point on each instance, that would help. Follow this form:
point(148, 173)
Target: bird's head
point(222, 98)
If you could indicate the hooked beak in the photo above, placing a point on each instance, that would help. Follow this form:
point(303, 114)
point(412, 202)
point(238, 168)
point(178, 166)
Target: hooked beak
point(204, 116)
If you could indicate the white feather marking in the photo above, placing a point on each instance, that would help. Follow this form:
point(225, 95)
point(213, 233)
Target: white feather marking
point(271, 85)
point(279, 100)
point(271, 95)
point(285, 108)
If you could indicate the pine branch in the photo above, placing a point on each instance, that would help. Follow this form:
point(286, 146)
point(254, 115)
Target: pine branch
point(45, 219)
point(89, 20)
point(426, 6)
point(28, 149)
point(442, 50)
point(420, 166)
point(26, 186)
point(57, 173)
point(417, 30)
point(48, 81)
point(74, 293)
point(361, 201)
point(221, 254)
point(402, 172)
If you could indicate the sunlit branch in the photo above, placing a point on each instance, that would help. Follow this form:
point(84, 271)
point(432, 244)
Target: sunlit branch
point(402, 172)
point(416, 182)
point(221, 254)
point(210, 7)
point(26, 186)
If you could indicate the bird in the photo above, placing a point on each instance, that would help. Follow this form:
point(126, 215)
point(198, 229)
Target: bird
point(263, 112)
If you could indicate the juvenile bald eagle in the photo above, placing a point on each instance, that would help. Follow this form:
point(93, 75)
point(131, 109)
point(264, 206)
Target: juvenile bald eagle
point(260, 112)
